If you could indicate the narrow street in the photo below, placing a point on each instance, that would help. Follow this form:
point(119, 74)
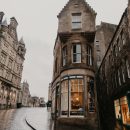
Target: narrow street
point(14, 119)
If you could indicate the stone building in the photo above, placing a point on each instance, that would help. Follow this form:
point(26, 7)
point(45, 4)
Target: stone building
point(113, 78)
point(25, 94)
point(104, 34)
point(36, 101)
point(73, 84)
point(12, 53)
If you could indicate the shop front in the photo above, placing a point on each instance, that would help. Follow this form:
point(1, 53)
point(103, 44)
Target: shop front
point(122, 110)
point(73, 96)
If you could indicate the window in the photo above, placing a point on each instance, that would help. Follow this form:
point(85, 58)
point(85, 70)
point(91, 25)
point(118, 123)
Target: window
point(118, 43)
point(119, 80)
point(123, 38)
point(76, 20)
point(89, 55)
point(76, 53)
point(64, 54)
point(97, 46)
point(1, 71)
point(3, 58)
point(10, 63)
point(56, 65)
point(128, 68)
point(7, 75)
point(123, 74)
point(76, 96)
point(64, 97)
point(91, 95)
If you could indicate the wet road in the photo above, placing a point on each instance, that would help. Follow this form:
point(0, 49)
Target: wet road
point(14, 119)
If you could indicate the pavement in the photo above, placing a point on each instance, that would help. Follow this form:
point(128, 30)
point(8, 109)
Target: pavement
point(14, 119)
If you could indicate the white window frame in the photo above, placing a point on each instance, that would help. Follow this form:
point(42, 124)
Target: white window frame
point(77, 53)
point(76, 21)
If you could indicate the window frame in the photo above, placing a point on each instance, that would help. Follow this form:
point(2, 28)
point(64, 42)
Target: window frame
point(77, 53)
point(79, 21)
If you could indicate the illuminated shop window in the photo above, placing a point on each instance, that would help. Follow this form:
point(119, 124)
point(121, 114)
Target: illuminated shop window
point(64, 97)
point(117, 109)
point(76, 96)
point(125, 110)
point(122, 110)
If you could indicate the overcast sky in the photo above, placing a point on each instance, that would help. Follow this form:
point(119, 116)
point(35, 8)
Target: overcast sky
point(38, 25)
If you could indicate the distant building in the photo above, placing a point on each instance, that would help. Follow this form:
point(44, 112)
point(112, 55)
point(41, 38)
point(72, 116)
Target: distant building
point(36, 101)
point(42, 102)
point(104, 34)
point(25, 94)
point(12, 56)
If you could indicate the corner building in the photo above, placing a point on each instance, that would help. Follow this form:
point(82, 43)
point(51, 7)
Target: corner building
point(73, 85)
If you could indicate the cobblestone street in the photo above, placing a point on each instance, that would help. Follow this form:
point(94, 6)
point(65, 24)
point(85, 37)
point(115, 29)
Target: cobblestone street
point(15, 119)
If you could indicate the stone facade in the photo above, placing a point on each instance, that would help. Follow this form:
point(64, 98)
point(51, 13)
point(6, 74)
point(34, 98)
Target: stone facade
point(73, 90)
point(113, 78)
point(12, 54)
point(25, 94)
point(104, 34)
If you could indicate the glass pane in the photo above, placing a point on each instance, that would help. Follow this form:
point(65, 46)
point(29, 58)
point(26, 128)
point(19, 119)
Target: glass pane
point(64, 97)
point(76, 97)
point(74, 48)
point(74, 58)
point(78, 58)
point(76, 25)
point(76, 17)
point(78, 48)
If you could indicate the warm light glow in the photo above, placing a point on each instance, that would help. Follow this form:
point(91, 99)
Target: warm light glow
point(77, 99)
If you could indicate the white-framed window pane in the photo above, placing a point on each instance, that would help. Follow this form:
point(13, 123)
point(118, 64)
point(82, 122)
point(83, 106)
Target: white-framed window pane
point(76, 17)
point(76, 20)
point(76, 25)
point(76, 86)
point(77, 53)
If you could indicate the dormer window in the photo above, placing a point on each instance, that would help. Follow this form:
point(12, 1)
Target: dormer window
point(76, 21)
